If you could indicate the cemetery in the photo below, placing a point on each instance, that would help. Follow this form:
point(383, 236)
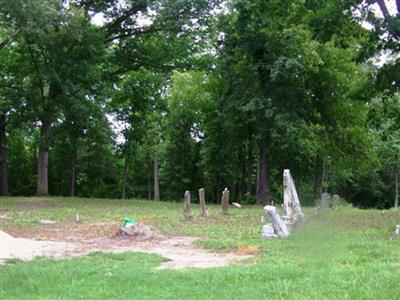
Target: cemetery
point(189, 236)
point(207, 149)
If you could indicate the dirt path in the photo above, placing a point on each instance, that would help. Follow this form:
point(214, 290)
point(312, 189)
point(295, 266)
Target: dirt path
point(180, 251)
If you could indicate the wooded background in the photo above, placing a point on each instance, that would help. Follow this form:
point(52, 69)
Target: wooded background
point(162, 96)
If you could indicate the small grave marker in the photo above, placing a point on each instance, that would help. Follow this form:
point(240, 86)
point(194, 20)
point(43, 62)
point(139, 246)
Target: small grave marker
point(225, 201)
point(186, 205)
point(325, 197)
point(203, 206)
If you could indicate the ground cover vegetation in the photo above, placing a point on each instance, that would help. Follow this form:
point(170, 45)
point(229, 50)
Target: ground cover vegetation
point(109, 101)
point(164, 96)
point(343, 253)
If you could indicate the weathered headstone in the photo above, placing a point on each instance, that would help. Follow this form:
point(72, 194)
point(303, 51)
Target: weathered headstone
point(325, 197)
point(186, 205)
point(280, 228)
point(203, 207)
point(397, 231)
point(291, 202)
point(225, 201)
point(268, 231)
point(335, 200)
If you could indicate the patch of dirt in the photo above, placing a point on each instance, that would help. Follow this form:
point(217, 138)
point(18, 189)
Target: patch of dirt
point(180, 251)
point(65, 231)
point(26, 249)
point(6, 214)
point(140, 233)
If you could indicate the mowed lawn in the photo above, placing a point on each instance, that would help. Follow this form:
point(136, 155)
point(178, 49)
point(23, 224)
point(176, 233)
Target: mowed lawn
point(339, 254)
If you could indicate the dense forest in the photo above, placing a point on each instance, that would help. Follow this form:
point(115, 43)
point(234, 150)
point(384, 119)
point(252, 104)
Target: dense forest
point(150, 98)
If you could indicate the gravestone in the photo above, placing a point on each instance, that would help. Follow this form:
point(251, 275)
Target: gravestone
point(325, 197)
point(279, 227)
point(203, 207)
point(186, 205)
point(335, 200)
point(268, 231)
point(225, 201)
point(291, 202)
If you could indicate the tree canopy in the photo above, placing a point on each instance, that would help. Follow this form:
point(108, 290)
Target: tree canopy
point(164, 96)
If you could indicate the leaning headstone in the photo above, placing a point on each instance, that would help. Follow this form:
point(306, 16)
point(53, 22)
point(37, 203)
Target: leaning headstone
point(280, 228)
point(225, 201)
point(203, 207)
point(397, 231)
point(291, 202)
point(186, 205)
point(325, 197)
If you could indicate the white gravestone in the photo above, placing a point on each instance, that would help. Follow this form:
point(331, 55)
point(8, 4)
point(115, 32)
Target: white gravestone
point(279, 227)
point(291, 202)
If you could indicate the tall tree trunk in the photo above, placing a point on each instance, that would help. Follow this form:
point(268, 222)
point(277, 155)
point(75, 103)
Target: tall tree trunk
point(396, 191)
point(249, 171)
point(324, 180)
point(217, 190)
point(3, 157)
point(149, 176)
point(237, 190)
point(383, 7)
point(125, 180)
point(262, 173)
point(318, 173)
point(156, 181)
point(240, 187)
point(72, 175)
point(43, 160)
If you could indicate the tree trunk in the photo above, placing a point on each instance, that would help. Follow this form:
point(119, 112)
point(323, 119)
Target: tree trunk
point(149, 186)
point(396, 183)
point(238, 193)
point(126, 162)
point(72, 175)
point(324, 180)
point(318, 170)
point(262, 173)
point(156, 181)
point(3, 157)
point(383, 7)
point(249, 171)
point(43, 160)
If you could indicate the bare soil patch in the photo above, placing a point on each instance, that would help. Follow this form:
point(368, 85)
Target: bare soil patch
point(180, 252)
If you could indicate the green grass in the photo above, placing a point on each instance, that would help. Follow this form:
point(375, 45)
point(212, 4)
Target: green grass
point(339, 254)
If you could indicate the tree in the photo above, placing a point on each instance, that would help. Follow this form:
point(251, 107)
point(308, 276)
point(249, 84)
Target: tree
point(136, 97)
point(273, 60)
point(12, 102)
point(59, 48)
point(180, 170)
point(384, 123)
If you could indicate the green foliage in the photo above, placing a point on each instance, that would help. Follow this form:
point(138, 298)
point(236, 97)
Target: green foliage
point(197, 86)
point(21, 165)
point(343, 253)
point(183, 129)
point(383, 123)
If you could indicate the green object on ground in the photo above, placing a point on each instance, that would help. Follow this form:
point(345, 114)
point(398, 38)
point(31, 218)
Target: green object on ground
point(128, 222)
